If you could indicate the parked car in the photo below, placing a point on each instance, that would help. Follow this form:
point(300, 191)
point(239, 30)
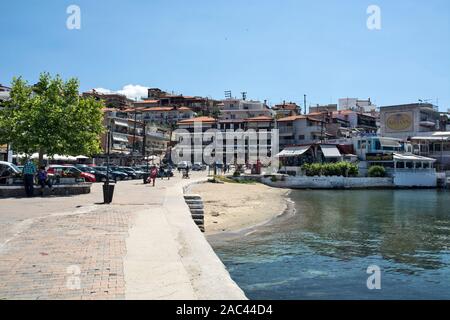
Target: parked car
point(131, 172)
point(71, 171)
point(183, 165)
point(198, 166)
point(127, 175)
point(8, 171)
point(139, 172)
point(100, 176)
point(115, 174)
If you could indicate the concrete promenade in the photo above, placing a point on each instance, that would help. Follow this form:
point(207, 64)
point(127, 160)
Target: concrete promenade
point(142, 246)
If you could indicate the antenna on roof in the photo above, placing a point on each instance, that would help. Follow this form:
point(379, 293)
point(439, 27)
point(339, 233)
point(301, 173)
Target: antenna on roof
point(244, 95)
point(228, 94)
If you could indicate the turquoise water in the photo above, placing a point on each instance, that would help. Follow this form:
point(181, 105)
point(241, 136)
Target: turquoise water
point(324, 250)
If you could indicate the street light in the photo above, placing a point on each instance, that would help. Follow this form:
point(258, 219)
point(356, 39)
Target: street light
point(108, 190)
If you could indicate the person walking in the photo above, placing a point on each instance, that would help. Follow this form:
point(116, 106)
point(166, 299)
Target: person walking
point(153, 175)
point(43, 179)
point(29, 170)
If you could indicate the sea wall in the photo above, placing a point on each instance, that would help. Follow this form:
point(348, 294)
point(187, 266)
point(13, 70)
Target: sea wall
point(304, 182)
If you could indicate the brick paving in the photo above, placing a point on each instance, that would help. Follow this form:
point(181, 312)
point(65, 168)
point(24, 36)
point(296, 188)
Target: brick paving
point(74, 256)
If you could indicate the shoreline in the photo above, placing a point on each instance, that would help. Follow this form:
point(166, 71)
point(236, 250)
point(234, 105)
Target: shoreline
point(289, 211)
point(252, 206)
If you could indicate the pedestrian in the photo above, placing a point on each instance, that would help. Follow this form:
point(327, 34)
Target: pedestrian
point(153, 175)
point(29, 170)
point(161, 173)
point(43, 179)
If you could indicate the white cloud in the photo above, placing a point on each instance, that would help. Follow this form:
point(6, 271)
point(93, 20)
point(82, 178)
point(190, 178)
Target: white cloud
point(131, 91)
point(103, 90)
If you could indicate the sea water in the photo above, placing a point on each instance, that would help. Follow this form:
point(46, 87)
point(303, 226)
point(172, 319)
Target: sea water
point(324, 250)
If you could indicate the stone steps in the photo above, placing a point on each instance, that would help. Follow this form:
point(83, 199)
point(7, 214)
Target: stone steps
point(195, 204)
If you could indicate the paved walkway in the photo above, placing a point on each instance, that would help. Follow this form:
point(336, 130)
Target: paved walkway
point(143, 246)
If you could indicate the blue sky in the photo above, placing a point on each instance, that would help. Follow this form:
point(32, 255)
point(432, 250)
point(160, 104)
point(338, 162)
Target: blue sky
point(274, 50)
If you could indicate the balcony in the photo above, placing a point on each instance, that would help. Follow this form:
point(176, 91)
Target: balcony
point(285, 131)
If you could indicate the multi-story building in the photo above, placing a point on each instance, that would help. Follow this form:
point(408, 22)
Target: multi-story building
point(409, 120)
point(301, 129)
point(165, 116)
point(359, 121)
point(254, 141)
point(130, 138)
point(111, 100)
point(323, 108)
point(243, 109)
point(286, 109)
point(158, 97)
point(436, 146)
point(356, 104)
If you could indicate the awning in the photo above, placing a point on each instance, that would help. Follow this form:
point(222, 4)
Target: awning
point(330, 152)
point(386, 142)
point(120, 138)
point(411, 157)
point(293, 151)
point(121, 123)
point(433, 138)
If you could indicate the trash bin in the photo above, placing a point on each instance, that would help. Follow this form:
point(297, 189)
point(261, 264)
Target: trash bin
point(145, 177)
point(108, 192)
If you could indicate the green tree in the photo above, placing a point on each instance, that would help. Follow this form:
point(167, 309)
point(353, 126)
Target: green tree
point(51, 118)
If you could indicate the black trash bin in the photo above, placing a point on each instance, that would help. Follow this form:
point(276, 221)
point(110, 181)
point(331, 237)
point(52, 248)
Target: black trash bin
point(108, 192)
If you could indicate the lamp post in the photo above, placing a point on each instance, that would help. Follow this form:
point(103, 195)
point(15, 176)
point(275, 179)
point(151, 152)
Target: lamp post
point(108, 190)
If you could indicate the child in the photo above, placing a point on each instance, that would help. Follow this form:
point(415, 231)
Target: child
point(43, 178)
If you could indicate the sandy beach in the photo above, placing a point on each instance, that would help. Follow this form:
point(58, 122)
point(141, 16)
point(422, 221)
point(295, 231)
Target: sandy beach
point(231, 207)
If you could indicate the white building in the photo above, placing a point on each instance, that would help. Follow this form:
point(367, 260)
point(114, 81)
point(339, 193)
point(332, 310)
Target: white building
point(409, 120)
point(243, 109)
point(297, 130)
point(356, 104)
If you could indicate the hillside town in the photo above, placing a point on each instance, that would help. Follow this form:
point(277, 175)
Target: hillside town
point(412, 138)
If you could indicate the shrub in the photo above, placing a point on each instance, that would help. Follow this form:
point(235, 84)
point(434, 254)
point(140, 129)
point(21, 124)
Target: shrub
point(345, 169)
point(377, 172)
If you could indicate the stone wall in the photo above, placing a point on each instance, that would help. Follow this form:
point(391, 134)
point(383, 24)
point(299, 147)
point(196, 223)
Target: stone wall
point(58, 190)
point(304, 182)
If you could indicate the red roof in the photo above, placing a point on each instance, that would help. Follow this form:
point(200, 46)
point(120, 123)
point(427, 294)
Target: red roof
point(147, 101)
point(293, 118)
point(260, 119)
point(198, 119)
point(158, 109)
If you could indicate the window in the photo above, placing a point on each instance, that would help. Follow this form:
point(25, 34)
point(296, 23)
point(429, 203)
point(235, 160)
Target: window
point(301, 137)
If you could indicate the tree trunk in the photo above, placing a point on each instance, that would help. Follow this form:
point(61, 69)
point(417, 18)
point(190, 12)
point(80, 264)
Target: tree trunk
point(41, 157)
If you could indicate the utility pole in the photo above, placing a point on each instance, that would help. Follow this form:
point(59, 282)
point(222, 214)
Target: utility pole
point(144, 139)
point(134, 131)
point(304, 102)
